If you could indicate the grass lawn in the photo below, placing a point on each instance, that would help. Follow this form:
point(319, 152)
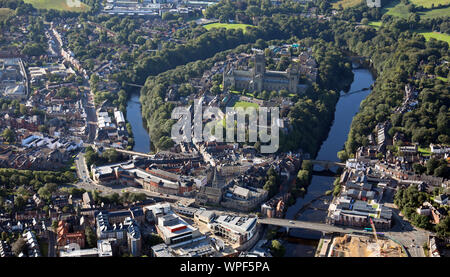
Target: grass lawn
point(424, 151)
point(435, 13)
point(428, 3)
point(4, 12)
point(396, 8)
point(227, 26)
point(375, 24)
point(347, 3)
point(61, 5)
point(248, 94)
point(438, 36)
point(244, 104)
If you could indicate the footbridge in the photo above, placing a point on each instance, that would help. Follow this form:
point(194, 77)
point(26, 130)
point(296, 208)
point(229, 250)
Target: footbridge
point(344, 94)
point(134, 85)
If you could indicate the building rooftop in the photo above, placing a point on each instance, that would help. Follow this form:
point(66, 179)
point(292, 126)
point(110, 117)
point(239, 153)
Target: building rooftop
point(237, 223)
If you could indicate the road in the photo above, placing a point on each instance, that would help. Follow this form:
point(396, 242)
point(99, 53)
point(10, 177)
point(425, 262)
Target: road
point(409, 236)
point(88, 102)
point(51, 243)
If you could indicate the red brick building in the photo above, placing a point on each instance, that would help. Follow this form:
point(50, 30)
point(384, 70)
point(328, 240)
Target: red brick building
point(64, 237)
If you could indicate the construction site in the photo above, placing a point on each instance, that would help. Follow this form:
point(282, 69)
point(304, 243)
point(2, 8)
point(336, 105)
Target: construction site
point(363, 246)
point(359, 245)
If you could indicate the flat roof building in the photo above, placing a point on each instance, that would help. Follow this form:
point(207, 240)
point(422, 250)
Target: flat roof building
point(235, 229)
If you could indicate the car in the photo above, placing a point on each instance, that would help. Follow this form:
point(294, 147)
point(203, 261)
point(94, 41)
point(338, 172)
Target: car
point(292, 222)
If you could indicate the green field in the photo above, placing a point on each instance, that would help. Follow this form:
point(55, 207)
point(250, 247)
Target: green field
point(244, 104)
point(347, 3)
point(435, 13)
point(243, 27)
point(429, 3)
point(424, 151)
point(396, 8)
point(438, 36)
point(61, 5)
point(375, 24)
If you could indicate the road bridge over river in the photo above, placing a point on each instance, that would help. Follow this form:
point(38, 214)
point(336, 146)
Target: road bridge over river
point(128, 152)
point(325, 228)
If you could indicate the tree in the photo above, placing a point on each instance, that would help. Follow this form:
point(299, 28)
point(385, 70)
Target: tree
point(152, 240)
point(303, 178)
point(277, 249)
point(33, 49)
point(9, 135)
point(418, 168)
point(66, 209)
point(307, 165)
point(23, 109)
point(342, 155)
point(4, 235)
point(443, 228)
point(19, 202)
point(91, 237)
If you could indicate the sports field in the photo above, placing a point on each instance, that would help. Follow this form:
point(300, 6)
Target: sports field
point(244, 104)
point(347, 3)
point(227, 26)
point(61, 5)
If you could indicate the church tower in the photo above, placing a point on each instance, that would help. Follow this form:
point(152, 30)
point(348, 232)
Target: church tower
point(259, 62)
point(293, 76)
point(259, 70)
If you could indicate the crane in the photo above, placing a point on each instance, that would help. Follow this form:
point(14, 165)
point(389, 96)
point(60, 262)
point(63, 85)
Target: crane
point(373, 229)
point(382, 252)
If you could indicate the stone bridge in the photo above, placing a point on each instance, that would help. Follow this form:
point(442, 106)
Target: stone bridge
point(327, 164)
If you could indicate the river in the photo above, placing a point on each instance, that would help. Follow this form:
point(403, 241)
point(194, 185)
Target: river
point(346, 108)
point(134, 117)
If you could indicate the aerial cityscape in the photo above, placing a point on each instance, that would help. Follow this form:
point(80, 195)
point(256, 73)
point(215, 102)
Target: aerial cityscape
point(224, 128)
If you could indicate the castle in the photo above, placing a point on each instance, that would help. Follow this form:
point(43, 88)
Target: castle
point(258, 79)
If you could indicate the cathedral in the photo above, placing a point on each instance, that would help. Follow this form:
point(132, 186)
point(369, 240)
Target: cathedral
point(259, 79)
